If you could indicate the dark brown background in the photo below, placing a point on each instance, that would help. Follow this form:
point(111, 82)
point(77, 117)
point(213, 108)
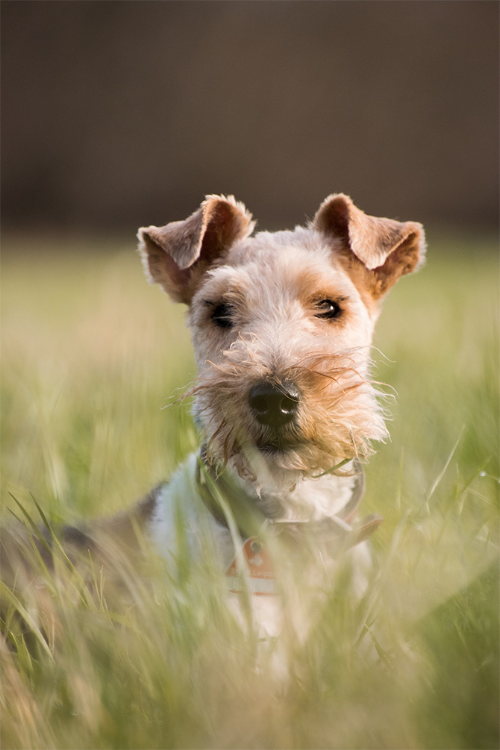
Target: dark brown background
point(117, 114)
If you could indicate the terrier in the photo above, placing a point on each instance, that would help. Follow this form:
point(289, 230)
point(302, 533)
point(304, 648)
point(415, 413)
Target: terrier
point(282, 325)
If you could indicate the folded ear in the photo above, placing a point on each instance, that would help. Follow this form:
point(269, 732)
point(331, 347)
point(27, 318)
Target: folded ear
point(177, 255)
point(387, 249)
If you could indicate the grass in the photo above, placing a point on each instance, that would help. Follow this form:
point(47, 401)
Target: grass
point(90, 355)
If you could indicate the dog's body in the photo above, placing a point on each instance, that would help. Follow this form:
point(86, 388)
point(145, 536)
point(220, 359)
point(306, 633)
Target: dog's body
point(332, 502)
point(282, 326)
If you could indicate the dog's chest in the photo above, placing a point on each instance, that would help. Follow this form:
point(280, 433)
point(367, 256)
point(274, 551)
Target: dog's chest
point(182, 522)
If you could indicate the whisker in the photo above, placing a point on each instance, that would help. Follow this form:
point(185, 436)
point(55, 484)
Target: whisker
point(338, 413)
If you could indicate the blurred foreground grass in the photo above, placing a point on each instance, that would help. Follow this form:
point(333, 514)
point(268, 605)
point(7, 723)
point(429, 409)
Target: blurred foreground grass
point(90, 354)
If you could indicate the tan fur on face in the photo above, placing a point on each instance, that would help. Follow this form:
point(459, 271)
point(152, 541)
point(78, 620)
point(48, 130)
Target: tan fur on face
point(338, 415)
point(376, 250)
point(272, 285)
point(177, 255)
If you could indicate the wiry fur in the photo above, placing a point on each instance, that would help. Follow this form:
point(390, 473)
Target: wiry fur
point(338, 414)
point(272, 284)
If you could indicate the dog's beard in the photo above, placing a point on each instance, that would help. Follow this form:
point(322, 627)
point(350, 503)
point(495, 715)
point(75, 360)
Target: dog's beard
point(338, 416)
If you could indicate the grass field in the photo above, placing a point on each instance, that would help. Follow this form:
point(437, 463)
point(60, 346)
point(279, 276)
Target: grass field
point(90, 355)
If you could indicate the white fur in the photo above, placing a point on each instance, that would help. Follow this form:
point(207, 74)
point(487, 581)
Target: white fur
point(312, 499)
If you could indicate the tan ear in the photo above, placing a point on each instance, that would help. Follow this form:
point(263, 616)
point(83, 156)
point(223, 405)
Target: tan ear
point(177, 255)
point(386, 248)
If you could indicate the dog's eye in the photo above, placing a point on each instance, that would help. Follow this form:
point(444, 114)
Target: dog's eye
point(221, 316)
point(328, 310)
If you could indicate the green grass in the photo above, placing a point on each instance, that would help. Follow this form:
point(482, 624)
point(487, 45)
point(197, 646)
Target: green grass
point(90, 355)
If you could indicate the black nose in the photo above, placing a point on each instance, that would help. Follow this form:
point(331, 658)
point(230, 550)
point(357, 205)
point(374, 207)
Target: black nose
point(274, 405)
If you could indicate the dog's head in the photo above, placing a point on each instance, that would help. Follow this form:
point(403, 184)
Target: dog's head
point(282, 326)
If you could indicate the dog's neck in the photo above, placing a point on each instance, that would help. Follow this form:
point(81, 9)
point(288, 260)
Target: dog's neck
point(310, 499)
point(322, 509)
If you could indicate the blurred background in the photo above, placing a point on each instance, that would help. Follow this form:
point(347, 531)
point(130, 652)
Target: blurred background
point(118, 114)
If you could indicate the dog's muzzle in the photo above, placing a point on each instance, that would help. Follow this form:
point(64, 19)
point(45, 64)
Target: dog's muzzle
point(274, 404)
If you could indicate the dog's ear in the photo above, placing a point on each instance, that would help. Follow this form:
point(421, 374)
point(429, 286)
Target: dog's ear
point(177, 255)
point(387, 249)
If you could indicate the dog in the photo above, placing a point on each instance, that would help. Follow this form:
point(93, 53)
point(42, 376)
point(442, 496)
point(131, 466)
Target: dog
point(282, 326)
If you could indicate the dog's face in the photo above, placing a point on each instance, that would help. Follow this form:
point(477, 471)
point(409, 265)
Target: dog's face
point(282, 325)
